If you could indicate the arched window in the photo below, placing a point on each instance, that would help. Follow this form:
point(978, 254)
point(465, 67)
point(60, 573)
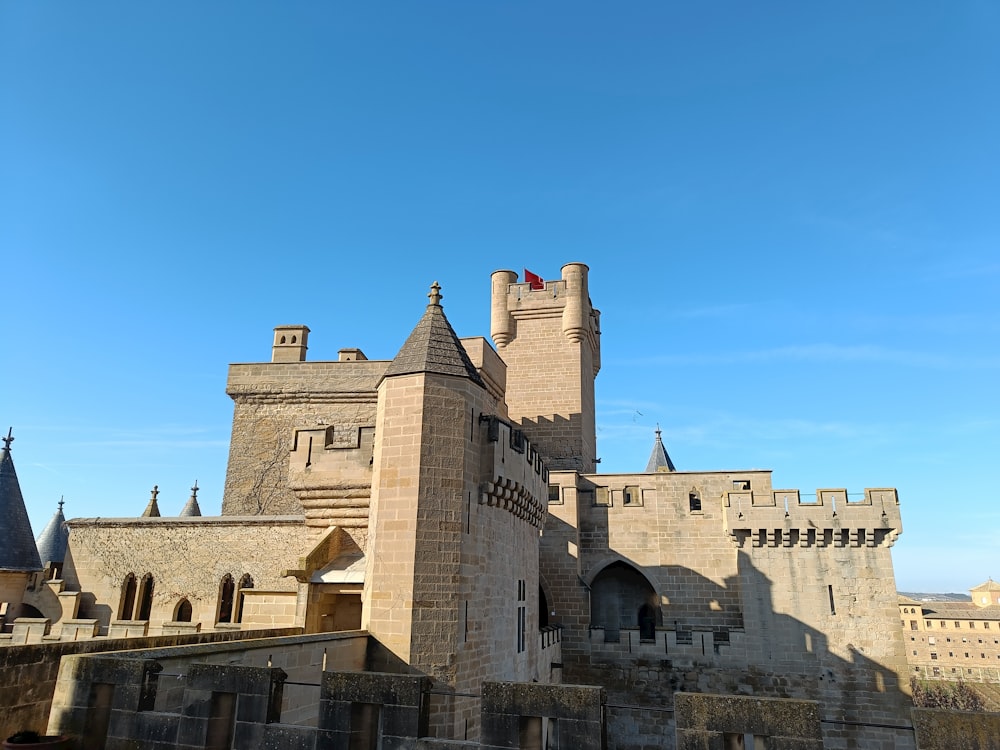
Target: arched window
point(227, 590)
point(182, 612)
point(282, 339)
point(694, 501)
point(618, 596)
point(127, 606)
point(246, 582)
point(145, 597)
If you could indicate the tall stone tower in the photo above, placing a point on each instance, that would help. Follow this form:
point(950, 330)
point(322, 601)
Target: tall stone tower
point(550, 340)
point(452, 562)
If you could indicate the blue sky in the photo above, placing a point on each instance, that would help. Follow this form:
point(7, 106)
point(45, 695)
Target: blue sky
point(790, 211)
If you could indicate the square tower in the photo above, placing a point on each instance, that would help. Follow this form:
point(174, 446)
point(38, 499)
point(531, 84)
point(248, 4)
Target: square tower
point(550, 340)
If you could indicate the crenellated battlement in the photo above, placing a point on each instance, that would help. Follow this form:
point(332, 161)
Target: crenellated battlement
point(330, 472)
point(782, 518)
point(518, 479)
point(567, 298)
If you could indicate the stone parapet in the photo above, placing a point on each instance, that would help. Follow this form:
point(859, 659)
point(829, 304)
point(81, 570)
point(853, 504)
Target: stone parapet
point(782, 519)
point(312, 381)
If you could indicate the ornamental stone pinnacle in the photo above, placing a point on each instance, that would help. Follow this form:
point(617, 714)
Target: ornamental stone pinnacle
point(435, 295)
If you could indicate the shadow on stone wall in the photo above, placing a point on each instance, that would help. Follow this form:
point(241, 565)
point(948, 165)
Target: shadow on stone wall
point(722, 639)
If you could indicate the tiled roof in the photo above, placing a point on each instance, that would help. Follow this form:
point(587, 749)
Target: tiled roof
point(659, 460)
point(959, 611)
point(990, 585)
point(433, 347)
point(17, 543)
point(54, 538)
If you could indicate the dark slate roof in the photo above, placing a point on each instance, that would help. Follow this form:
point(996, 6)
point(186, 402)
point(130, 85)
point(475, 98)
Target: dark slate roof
point(54, 538)
point(658, 459)
point(191, 507)
point(433, 347)
point(17, 543)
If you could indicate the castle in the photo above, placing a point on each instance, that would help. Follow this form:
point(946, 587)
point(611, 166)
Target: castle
point(446, 503)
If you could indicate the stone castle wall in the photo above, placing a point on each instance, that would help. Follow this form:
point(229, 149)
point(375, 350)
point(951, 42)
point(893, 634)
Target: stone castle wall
point(187, 557)
point(28, 673)
point(272, 401)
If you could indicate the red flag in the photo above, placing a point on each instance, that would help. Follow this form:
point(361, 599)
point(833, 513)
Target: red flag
point(536, 282)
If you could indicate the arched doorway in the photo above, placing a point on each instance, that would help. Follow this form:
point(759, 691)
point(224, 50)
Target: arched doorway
point(622, 597)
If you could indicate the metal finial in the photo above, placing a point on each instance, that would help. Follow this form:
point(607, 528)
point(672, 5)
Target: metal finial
point(155, 491)
point(435, 294)
point(61, 502)
point(194, 490)
point(9, 439)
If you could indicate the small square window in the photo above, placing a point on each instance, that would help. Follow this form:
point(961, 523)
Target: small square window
point(555, 493)
point(933, 656)
point(632, 496)
point(741, 484)
point(602, 496)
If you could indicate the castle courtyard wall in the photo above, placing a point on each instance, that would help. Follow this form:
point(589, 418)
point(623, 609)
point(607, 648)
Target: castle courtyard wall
point(28, 673)
point(187, 557)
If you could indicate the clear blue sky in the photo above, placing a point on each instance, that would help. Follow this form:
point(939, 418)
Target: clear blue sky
point(790, 211)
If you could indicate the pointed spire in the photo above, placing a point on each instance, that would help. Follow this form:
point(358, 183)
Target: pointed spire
point(659, 460)
point(152, 509)
point(53, 540)
point(433, 346)
point(191, 508)
point(17, 543)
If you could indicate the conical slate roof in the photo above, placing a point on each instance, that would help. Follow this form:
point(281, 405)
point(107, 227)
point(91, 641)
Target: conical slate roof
point(152, 509)
point(659, 460)
point(54, 538)
point(191, 507)
point(17, 543)
point(433, 346)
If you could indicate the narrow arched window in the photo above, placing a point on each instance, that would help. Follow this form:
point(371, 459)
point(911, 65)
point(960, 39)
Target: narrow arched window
point(182, 612)
point(694, 501)
point(126, 607)
point(226, 592)
point(246, 582)
point(145, 598)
